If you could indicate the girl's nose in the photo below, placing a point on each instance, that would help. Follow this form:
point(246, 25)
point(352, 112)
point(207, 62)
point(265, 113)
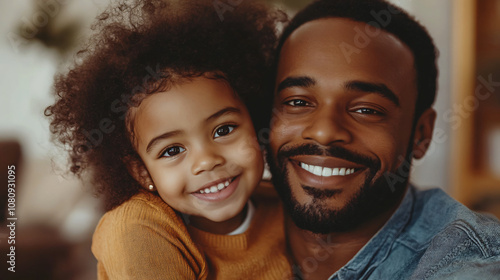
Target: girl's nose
point(206, 160)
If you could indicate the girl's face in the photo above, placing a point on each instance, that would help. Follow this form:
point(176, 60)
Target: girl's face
point(199, 146)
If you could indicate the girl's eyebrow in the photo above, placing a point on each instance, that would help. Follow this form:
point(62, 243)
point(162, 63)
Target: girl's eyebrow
point(155, 140)
point(166, 135)
point(222, 112)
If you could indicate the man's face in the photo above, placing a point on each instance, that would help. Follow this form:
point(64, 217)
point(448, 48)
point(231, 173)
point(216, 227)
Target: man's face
point(343, 117)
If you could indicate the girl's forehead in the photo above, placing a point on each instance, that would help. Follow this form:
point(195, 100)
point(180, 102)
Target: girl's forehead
point(188, 105)
point(185, 93)
point(195, 95)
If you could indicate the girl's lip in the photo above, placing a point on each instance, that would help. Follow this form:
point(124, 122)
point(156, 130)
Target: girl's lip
point(215, 183)
point(221, 194)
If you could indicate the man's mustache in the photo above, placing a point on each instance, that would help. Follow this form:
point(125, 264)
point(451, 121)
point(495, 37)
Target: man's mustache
point(331, 151)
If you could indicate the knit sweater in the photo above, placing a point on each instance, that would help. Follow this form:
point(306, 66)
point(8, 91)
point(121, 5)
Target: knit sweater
point(144, 238)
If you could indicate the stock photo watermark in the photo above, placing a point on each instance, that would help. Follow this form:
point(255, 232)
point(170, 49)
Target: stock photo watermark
point(11, 218)
point(363, 37)
point(120, 106)
point(222, 7)
point(310, 264)
point(485, 88)
point(31, 26)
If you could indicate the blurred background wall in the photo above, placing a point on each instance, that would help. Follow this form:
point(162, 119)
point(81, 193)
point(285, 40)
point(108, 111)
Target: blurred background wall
point(57, 213)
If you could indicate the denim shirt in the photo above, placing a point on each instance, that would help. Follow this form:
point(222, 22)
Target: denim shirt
point(430, 236)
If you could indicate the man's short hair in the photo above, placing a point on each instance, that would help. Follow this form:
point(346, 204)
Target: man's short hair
point(392, 19)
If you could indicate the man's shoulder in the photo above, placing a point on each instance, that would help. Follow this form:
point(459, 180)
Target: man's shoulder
point(434, 212)
point(436, 208)
point(458, 236)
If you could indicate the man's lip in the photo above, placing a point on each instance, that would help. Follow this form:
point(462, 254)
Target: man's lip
point(326, 161)
point(331, 182)
point(326, 181)
point(215, 183)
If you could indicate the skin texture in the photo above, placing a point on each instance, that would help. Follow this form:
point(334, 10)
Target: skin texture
point(206, 137)
point(363, 104)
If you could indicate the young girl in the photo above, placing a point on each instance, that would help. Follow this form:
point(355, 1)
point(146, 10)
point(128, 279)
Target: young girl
point(161, 112)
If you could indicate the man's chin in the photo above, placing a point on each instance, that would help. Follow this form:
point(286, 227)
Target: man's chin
point(323, 215)
point(318, 219)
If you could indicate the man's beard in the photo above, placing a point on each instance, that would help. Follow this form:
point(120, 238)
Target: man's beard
point(372, 199)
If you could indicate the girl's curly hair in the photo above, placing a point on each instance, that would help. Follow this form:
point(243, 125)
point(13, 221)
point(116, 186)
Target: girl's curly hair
point(140, 46)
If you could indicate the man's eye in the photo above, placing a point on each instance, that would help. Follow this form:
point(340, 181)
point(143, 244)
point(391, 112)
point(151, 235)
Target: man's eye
point(297, 103)
point(173, 151)
point(368, 111)
point(224, 130)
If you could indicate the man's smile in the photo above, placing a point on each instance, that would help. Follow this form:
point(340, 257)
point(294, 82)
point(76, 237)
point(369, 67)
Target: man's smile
point(324, 171)
point(327, 171)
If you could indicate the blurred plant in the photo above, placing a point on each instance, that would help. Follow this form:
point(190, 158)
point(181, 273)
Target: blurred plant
point(47, 25)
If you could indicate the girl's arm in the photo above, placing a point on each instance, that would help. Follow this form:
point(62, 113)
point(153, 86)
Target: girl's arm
point(144, 240)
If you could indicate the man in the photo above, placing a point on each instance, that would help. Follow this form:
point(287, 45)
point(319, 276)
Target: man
point(355, 81)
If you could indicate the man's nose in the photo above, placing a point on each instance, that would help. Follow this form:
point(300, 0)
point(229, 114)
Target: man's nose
point(327, 126)
point(206, 159)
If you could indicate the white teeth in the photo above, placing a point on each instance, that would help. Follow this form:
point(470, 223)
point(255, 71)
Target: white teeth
point(310, 168)
point(327, 171)
point(216, 188)
point(317, 170)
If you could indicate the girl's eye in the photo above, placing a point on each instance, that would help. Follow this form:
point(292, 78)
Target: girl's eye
point(224, 130)
point(297, 103)
point(368, 111)
point(173, 151)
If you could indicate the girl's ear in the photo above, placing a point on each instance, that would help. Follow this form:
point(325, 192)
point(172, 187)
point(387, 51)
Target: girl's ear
point(139, 172)
point(423, 133)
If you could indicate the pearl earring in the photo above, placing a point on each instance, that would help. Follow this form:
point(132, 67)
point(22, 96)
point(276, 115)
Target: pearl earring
point(151, 187)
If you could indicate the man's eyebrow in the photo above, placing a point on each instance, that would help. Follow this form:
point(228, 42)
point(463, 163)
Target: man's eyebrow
point(163, 136)
point(302, 81)
point(224, 111)
point(379, 89)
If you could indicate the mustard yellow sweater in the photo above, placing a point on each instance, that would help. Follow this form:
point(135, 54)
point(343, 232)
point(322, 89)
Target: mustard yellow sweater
point(144, 238)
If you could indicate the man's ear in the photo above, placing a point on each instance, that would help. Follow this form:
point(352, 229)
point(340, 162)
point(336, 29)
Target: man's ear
point(422, 137)
point(139, 172)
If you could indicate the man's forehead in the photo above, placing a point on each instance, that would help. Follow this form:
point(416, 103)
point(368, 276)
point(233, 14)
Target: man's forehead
point(343, 35)
point(357, 51)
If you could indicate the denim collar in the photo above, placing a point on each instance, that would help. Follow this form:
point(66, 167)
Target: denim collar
point(378, 248)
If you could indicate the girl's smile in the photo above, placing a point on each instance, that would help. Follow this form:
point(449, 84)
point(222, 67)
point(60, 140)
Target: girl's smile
point(218, 191)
